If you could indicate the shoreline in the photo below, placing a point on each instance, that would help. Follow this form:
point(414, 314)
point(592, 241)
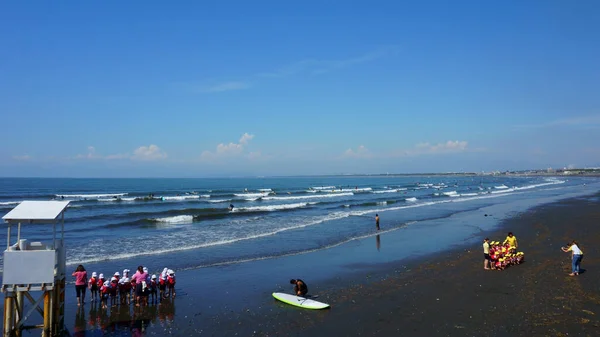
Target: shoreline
point(452, 294)
point(212, 302)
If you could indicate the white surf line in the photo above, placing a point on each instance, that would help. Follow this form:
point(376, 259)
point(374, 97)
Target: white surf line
point(340, 215)
point(302, 252)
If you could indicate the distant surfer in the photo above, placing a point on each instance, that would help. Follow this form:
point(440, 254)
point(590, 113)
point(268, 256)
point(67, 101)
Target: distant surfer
point(300, 288)
point(377, 221)
point(230, 207)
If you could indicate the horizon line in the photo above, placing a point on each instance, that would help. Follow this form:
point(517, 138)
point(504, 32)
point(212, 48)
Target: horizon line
point(537, 171)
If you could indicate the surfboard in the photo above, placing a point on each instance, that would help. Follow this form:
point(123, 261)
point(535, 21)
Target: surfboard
point(300, 301)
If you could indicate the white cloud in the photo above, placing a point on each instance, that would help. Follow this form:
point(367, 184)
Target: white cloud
point(310, 66)
point(360, 152)
point(91, 154)
point(225, 86)
point(151, 152)
point(317, 66)
point(246, 137)
point(228, 150)
point(24, 157)
point(449, 146)
point(254, 155)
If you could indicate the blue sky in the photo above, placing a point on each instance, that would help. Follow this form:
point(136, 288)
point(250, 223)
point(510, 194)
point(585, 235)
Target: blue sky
point(202, 88)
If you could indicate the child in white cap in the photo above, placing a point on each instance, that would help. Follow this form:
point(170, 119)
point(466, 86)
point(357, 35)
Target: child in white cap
point(171, 283)
point(114, 288)
point(162, 283)
point(93, 286)
point(105, 290)
point(153, 288)
point(125, 290)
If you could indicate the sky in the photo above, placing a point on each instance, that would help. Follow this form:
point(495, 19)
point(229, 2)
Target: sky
point(261, 88)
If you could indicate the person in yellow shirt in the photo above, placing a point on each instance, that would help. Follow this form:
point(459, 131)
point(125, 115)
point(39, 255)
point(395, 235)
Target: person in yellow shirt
point(512, 241)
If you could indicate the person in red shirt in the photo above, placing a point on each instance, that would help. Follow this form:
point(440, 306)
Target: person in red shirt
point(93, 286)
point(171, 283)
point(153, 288)
point(105, 290)
point(114, 288)
point(80, 284)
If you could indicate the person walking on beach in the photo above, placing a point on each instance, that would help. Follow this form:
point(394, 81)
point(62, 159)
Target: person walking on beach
point(577, 256)
point(486, 254)
point(377, 221)
point(80, 283)
point(512, 241)
point(300, 288)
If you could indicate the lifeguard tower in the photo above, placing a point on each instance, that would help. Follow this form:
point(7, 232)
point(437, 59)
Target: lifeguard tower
point(34, 267)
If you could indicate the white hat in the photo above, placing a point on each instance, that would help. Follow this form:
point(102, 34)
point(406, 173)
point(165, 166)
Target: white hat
point(94, 274)
point(113, 279)
point(117, 273)
point(101, 275)
point(170, 272)
point(106, 283)
point(165, 270)
point(125, 271)
point(145, 269)
point(153, 276)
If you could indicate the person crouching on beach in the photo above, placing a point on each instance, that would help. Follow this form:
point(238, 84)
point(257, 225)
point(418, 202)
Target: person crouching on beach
point(498, 264)
point(520, 257)
point(300, 287)
point(577, 256)
point(486, 254)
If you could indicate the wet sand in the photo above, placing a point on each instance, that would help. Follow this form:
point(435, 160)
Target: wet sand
point(444, 294)
point(450, 294)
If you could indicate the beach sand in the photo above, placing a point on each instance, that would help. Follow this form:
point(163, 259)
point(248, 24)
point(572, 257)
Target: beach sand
point(451, 294)
point(442, 294)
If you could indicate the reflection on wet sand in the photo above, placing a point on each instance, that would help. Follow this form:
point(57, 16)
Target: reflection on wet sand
point(378, 242)
point(122, 320)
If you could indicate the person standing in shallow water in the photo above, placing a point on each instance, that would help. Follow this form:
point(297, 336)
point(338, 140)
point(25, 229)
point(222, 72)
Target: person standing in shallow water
point(80, 284)
point(377, 221)
point(576, 259)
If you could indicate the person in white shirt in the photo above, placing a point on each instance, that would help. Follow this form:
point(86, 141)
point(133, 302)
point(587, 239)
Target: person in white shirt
point(577, 257)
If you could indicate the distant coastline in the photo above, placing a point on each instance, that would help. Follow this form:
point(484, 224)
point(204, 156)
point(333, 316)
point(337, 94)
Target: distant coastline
point(585, 172)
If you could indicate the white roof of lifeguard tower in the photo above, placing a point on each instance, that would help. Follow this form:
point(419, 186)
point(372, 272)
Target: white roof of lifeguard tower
point(36, 212)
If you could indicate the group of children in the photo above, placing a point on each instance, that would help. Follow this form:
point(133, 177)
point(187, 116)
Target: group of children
point(502, 255)
point(123, 289)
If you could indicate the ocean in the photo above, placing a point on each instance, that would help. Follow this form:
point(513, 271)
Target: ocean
point(113, 224)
